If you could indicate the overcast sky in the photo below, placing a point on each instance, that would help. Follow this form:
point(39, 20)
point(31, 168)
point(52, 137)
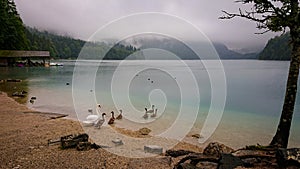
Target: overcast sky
point(81, 18)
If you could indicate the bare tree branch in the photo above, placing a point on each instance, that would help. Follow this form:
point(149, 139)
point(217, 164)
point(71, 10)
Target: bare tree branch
point(265, 14)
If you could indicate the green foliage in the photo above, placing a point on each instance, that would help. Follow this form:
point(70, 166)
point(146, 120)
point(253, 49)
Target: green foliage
point(119, 52)
point(12, 31)
point(14, 36)
point(277, 48)
point(63, 47)
point(58, 46)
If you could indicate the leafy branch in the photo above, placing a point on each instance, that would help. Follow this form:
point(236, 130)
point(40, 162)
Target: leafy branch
point(268, 15)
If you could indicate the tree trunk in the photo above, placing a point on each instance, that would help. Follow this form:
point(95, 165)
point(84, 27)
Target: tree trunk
point(283, 131)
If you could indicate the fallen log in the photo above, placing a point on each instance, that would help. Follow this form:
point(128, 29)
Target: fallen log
point(59, 116)
point(195, 159)
point(71, 141)
point(177, 153)
point(288, 157)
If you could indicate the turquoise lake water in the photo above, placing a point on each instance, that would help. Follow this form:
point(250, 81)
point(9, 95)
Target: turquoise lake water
point(254, 93)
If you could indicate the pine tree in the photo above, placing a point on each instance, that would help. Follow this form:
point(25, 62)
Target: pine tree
point(12, 30)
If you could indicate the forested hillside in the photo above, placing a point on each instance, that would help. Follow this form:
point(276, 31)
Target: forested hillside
point(15, 36)
point(64, 47)
point(12, 31)
point(59, 46)
point(277, 48)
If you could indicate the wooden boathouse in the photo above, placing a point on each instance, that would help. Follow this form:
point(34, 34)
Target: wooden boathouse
point(24, 58)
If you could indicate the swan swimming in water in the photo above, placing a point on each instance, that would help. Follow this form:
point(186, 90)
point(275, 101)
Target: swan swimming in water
point(146, 114)
point(151, 110)
point(154, 114)
point(148, 111)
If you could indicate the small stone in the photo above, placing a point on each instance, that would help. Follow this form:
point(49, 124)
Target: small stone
point(215, 149)
point(153, 149)
point(196, 136)
point(117, 141)
point(144, 131)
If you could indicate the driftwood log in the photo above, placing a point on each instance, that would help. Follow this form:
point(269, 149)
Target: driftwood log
point(71, 141)
point(79, 141)
point(177, 153)
point(288, 157)
point(265, 157)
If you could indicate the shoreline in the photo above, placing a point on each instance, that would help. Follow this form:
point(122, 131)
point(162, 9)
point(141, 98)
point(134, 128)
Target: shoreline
point(24, 143)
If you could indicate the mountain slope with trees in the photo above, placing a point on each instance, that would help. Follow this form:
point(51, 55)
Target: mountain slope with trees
point(277, 48)
point(63, 47)
point(15, 36)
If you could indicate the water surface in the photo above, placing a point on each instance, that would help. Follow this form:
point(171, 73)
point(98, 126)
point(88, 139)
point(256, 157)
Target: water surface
point(255, 91)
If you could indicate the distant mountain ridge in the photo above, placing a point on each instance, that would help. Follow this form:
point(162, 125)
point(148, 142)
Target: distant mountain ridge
point(226, 53)
point(63, 47)
point(184, 52)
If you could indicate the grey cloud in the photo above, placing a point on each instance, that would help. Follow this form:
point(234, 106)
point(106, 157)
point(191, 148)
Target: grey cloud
point(81, 18)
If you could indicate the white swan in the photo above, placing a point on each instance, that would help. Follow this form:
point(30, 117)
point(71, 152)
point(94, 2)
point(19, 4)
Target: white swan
point(146, 114)
point(98, 109)
point(154, 114)
point(92, 118)
point(151, 110)
point(100, 122)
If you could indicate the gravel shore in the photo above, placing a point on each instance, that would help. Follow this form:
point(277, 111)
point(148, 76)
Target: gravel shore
point(25, 134)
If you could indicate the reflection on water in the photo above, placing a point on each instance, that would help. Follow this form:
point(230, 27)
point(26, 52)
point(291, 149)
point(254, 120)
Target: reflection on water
point(255, 91)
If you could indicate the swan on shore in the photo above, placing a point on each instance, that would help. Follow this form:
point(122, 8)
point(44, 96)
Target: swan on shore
point(100, 122)
point(119, 117)
point(112, 119)
point(92, 118)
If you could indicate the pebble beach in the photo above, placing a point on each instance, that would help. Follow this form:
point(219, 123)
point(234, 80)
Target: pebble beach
point(25, 134)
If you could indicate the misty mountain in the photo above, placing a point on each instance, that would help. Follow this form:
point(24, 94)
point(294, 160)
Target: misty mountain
point(226, 53)
point(64, 47)
point(181, 50)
